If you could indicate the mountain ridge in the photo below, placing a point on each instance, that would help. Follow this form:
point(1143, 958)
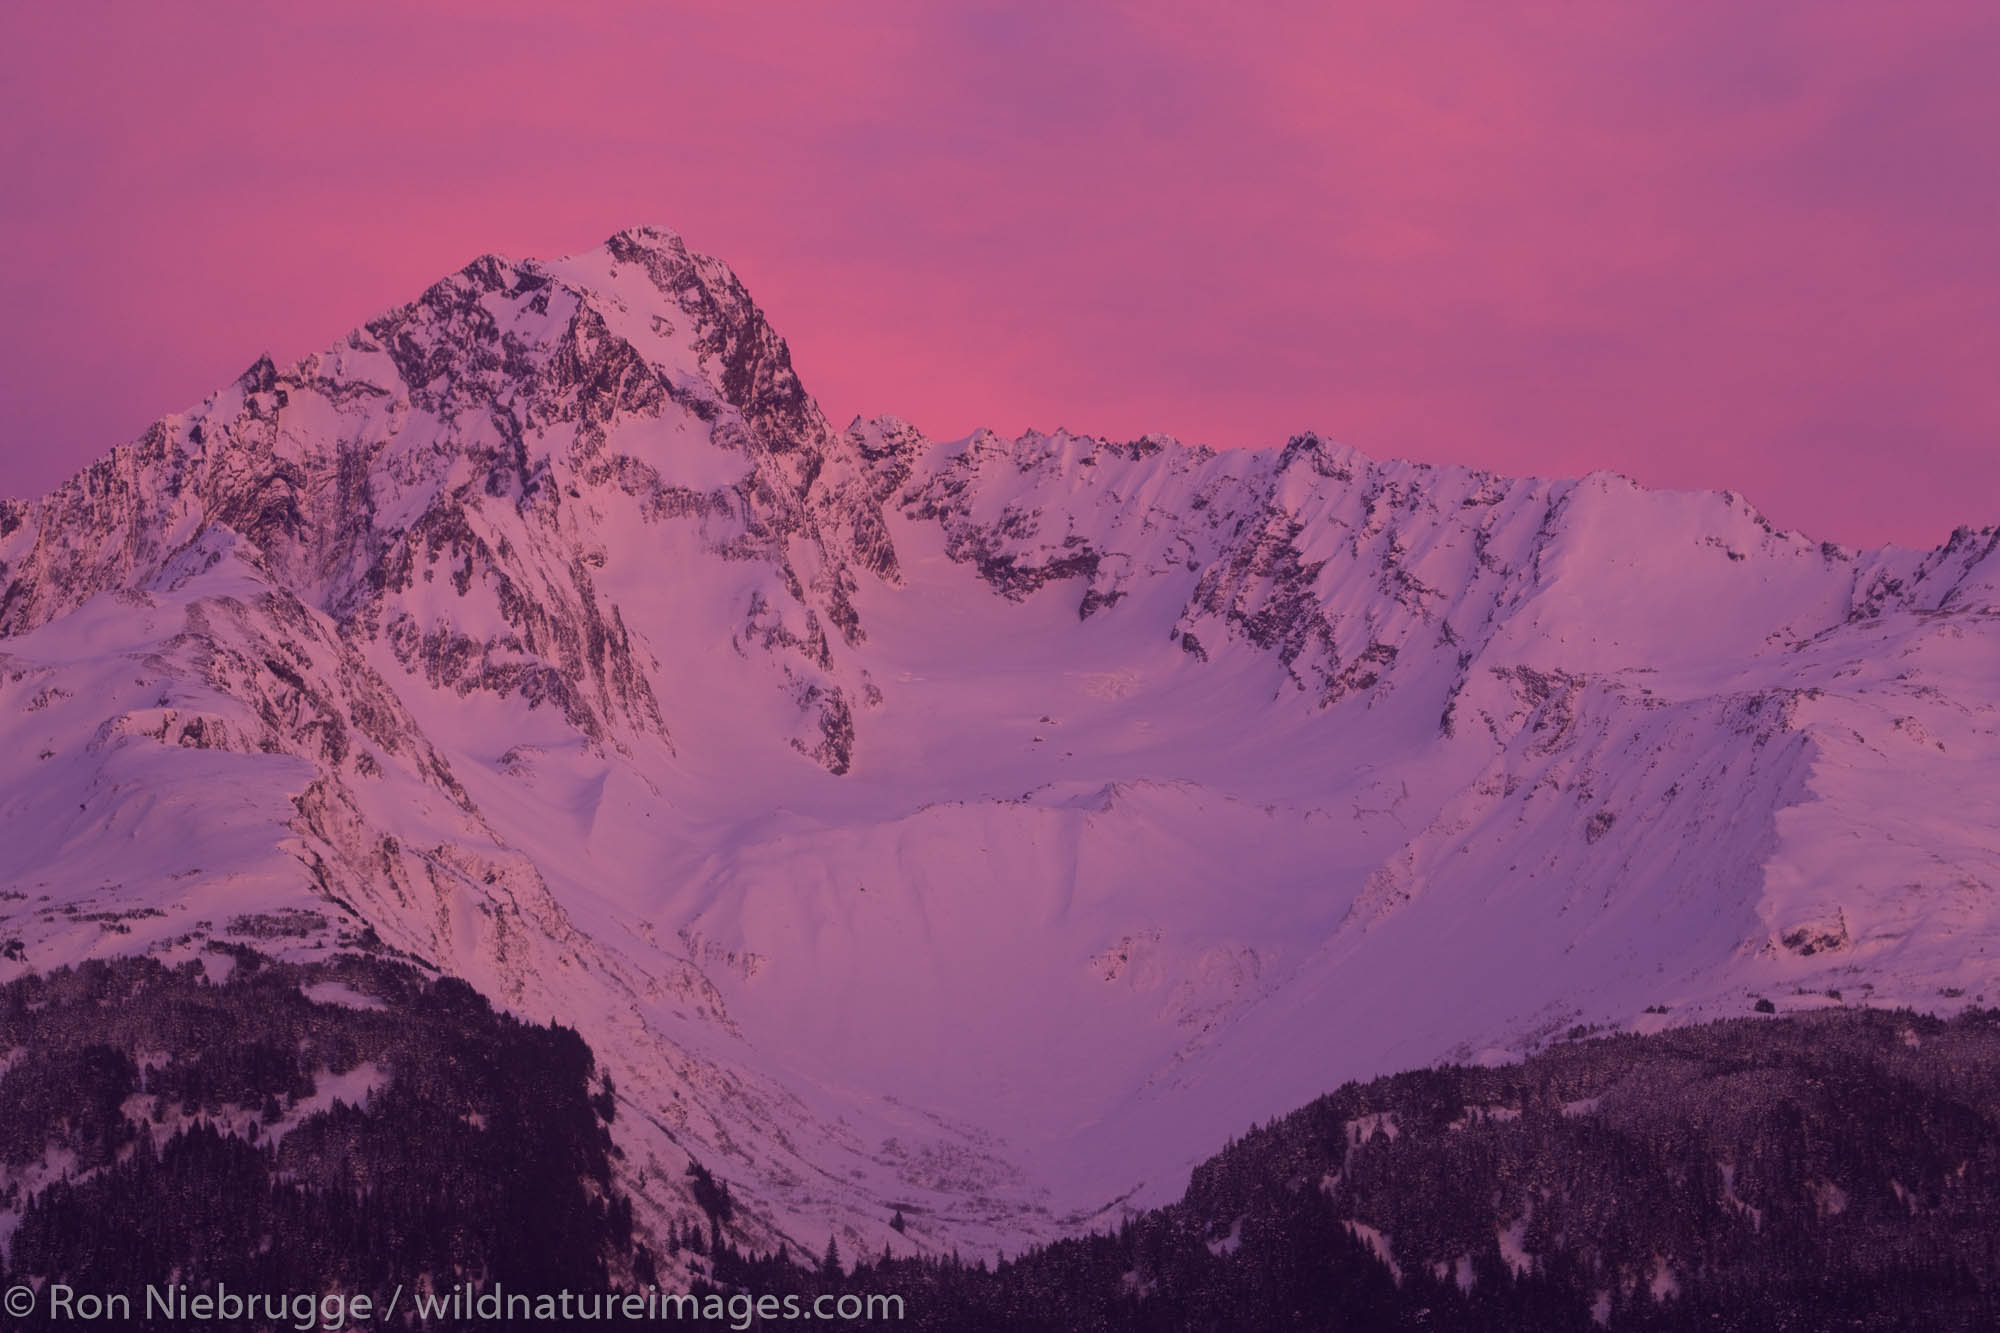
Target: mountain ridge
point(981, 829)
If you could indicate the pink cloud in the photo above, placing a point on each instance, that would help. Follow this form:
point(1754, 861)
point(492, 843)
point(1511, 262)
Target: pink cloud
point(1708, 245)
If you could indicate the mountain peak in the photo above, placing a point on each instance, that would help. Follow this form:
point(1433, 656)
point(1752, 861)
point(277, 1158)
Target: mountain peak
point(646, 236)
point(524, 628)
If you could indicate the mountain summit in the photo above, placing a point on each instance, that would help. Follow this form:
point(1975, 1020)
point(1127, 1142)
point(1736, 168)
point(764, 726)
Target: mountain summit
point(979, 832)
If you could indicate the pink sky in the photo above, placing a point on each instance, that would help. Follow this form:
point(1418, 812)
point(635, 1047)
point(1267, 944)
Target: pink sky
point(1734, 244)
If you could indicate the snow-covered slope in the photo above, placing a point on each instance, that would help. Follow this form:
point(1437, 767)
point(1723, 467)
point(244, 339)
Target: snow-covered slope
point(985, 829)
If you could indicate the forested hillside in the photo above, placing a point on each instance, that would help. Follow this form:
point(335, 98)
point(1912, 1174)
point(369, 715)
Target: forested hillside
point(355, 1125)
point(344, 1127)
point(1834, 1170)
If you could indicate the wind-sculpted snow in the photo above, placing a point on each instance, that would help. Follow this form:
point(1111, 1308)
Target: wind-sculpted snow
point(982, 830)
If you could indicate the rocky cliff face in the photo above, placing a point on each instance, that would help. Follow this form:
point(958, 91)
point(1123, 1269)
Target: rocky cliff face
point(479, 441)
point(982, 829)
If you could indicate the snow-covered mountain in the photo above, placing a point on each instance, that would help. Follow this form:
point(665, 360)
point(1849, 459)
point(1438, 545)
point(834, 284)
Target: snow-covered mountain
point(986, 829)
